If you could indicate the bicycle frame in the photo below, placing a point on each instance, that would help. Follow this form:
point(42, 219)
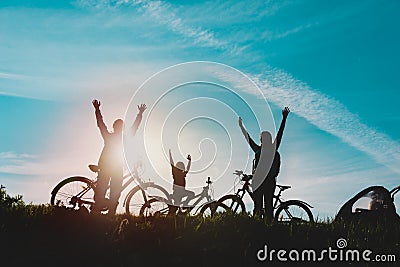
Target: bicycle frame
point(203, 195)
point(93, 184)
point(187, 209)
point(246, 189)
point(278, 201)
point(77, 198)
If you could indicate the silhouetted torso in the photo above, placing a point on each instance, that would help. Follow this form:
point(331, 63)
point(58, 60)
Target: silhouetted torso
point(111, 157)
point(179, 176)
point(274, 170)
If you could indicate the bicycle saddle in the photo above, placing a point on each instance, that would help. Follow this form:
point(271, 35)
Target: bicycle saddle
point(94, 168)
point(247, 177)
point(283, 187)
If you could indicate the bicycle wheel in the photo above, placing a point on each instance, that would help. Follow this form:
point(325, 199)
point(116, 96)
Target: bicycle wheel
point(232, 202)
point(212, 208)
point(73, 193)
point(154, 207)
point(293, 211)
point(140, 194)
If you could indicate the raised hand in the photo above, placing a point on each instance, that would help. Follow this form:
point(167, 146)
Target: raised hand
point(285, 112)
point(96, 104)
point(141, 108)
point(240, 122)
point(189, 158)
point(171, 161)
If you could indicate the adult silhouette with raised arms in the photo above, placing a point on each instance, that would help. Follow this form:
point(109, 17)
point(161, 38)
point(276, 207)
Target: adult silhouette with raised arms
point(111, 161)
point(266, 167)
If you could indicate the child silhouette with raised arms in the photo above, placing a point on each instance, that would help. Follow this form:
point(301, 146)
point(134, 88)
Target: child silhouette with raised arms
point(179, 175)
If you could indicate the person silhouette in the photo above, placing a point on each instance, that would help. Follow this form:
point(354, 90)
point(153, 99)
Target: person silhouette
point(179, 175)
point(266, 167)
point(111, 161)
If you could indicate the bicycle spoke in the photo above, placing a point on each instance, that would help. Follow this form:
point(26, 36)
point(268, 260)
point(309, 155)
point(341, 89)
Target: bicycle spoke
point(232, 203)
point(294, 212)
point(73, 193)
point(154, 207)
point(138, 196)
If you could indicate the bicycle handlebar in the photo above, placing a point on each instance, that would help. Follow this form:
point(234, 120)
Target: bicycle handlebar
point(237, 172)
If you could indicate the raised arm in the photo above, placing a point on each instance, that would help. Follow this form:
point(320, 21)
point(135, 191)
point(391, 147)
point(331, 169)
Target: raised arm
point(171, 161)
point(138, 119)
point(99, 118)
point(285, 113)
point(189, 158)
point(249, 140)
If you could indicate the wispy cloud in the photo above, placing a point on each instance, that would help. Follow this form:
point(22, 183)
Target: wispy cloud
point(268, 35)
point(13, 155)
point(158, 9)
point(282, 89)
point(15, 163)
point(278, 86)
point(163, 14)
point(322, 111)
point(47, 166)
point(9, 94)
point(13, 76)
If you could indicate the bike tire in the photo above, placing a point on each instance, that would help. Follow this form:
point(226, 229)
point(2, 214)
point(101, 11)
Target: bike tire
point(67, 193)
point(213, 208)
point(294, 211)
point(232, 202)
point(154, 207)
point(138, 196)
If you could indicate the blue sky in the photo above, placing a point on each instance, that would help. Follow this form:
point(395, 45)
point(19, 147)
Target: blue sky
point(333, 62)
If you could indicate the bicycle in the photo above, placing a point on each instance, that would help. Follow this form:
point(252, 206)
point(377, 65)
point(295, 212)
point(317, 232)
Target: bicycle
point(159, 206)
point(77, 192)
point(285, 211)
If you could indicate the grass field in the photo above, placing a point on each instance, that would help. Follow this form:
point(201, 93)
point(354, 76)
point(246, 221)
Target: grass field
point(41, 235)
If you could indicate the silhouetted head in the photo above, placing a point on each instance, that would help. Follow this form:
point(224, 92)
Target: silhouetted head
point(266, 137)
point(118, 125)
point(180, 165)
